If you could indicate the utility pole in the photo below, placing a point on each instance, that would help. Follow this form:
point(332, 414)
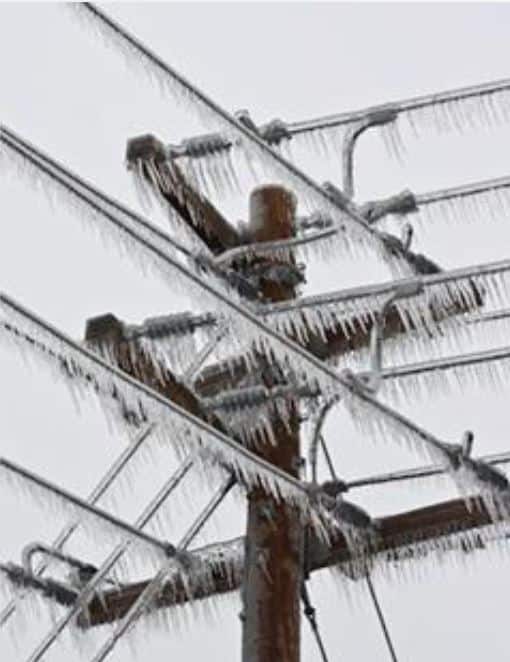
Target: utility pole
point(274, 535)
point(270, 563)
point(274, 539)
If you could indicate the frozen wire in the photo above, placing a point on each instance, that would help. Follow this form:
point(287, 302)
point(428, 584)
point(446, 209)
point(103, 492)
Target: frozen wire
point(311, 615)
point(150, 592)
point(92, 518)
point(381, 619)
point(419, 472)
point(100, 489)
point(482, 105)
point(446, 293)
point(471, 203)
point(18, 144)
point(114, 557)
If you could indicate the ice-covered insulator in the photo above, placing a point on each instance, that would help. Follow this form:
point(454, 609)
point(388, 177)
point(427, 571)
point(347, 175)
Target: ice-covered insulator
point(244, 117)
point(168, 325)
point(275, 131)
point(206, 144)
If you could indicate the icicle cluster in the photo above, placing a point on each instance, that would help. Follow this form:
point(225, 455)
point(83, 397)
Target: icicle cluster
point(405, 559)
point(213, 173)
point(251, 411)
point(458, 376)
point(484, 203)
point(484, 109)
point(408, 558)
point(185, 432)
point(446, 295)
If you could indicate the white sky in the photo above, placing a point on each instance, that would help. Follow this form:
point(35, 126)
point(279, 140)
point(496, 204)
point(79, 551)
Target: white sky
point(65, 92)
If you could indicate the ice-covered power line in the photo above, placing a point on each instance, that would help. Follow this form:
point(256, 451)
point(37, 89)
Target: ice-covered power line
point(101, 488)
point(381, 619)
point(26, 156)
point(476, 202)
point(344, 487)
point(149, 594)
point(485, 104)
point(456, 289)
point(12, 140)
point(428, 471)
point(311, 614)
point(92, 518)
point(355, 230)
point(113, 558)
point(488, 368)
point(489, 484)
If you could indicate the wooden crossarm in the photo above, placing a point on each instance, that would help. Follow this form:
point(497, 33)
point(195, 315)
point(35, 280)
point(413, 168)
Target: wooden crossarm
point(194, 209)
point(397, 532)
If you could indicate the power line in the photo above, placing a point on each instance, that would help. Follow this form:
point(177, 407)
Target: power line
point(150, 592)
point(311, 614)
point(381, 618)
point(90, 587)
point(101, 488)
point(288, 130)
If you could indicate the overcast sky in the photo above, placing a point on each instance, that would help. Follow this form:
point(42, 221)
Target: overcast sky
point(67, 93)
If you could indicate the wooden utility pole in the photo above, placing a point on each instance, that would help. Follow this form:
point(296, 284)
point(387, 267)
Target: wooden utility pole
point(274, 538)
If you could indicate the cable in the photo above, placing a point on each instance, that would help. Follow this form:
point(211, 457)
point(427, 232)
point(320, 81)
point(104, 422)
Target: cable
point(377, 606)
point(90, 587)
point(311, 614)
point(154, 586)
point(382, 621)
point(420, 472)
point(290, 129)
point(100, 489)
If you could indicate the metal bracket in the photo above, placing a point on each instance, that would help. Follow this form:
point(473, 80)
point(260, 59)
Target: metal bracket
point(81, 572)
point(371, 381)
point(377, 118)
